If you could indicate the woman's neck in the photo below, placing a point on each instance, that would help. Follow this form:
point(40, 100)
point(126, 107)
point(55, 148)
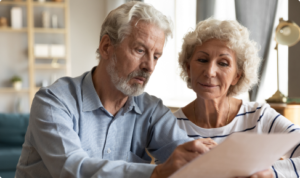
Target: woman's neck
point(212, 113)
point(215, 115)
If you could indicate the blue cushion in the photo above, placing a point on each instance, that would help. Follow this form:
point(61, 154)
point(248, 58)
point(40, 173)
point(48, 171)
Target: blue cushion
point(10, 174)
point(13, 128)
point(9, 158)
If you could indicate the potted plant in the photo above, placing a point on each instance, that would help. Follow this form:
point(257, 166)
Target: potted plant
point(16, 82)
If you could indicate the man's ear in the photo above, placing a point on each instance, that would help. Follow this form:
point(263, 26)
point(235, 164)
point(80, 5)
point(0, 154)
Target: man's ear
point(105, 47)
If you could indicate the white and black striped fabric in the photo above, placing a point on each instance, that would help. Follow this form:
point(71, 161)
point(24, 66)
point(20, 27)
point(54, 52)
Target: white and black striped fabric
point(256, 118)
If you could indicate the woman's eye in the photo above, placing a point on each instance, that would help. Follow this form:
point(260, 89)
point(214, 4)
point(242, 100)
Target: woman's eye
point(202, 60)
point(223, 64)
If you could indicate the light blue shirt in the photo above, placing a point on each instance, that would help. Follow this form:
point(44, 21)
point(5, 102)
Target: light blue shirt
point(71, 134)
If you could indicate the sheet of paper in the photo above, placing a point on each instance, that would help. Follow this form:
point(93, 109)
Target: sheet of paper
point(241, 154)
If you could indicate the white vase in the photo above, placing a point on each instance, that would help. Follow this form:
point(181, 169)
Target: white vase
point(46, 19)
point(17, 85)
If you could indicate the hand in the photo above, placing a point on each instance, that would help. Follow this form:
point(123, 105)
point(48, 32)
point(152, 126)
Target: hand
point(268, 173)
point(183, 154)
point(208, 142)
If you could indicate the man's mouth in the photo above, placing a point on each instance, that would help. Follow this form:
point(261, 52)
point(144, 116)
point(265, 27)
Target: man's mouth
point(139, 80)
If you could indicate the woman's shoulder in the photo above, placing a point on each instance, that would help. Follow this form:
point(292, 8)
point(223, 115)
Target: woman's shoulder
point(262, 113)
point(254, 105)
point(179, 114)
point(253, 108)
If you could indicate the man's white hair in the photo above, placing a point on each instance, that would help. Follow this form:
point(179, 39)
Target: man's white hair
point(117, 24)
point(237, 38)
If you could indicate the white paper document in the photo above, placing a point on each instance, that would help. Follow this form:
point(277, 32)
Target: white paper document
point(241, 154)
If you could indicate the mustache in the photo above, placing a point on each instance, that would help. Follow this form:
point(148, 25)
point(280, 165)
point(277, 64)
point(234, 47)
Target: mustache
point(139, 73)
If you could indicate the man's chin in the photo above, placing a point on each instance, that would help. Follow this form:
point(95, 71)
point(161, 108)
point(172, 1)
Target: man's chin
point(134, 90)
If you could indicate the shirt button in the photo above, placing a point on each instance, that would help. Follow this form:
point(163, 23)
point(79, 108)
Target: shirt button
point(108, 150)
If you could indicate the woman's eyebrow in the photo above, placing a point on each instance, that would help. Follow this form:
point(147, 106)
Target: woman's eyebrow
point(203, 52)
point(225, 55)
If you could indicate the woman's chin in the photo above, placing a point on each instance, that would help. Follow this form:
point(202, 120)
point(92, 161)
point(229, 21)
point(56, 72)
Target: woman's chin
point(207, 95)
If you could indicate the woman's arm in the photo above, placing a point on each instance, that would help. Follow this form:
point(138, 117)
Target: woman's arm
point(290, 166)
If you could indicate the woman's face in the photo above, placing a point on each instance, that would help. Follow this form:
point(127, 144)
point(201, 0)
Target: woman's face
point(213, 69)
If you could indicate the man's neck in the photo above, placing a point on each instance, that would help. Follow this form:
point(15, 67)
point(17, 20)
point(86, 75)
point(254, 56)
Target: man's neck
point(112, 99)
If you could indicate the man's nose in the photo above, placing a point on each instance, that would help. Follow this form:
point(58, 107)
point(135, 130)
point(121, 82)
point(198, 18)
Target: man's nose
point(148, 64)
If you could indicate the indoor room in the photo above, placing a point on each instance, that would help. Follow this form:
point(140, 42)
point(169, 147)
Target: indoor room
point(42, 41)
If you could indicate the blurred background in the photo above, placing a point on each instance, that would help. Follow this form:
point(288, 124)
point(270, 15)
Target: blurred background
point(59, 38)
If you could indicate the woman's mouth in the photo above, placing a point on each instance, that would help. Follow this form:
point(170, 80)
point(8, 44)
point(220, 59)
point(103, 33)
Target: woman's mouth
point(208, 85)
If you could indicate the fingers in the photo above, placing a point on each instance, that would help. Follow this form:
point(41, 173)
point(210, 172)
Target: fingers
point(195, 146)
point(263, 174)
point(208, 142)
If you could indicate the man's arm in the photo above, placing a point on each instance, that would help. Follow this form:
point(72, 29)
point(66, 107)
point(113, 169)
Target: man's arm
point(52, 135)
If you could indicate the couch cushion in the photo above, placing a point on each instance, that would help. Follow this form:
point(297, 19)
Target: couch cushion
point(10, 174)
point(9, 158)
point(13, 128)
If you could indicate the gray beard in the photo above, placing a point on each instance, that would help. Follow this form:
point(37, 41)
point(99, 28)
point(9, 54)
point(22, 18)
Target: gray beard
point(122, 83)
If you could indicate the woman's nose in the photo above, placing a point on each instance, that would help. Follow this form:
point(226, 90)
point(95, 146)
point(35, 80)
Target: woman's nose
point(211, 70)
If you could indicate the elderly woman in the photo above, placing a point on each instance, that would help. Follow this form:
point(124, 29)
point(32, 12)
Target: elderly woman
point(219, 61)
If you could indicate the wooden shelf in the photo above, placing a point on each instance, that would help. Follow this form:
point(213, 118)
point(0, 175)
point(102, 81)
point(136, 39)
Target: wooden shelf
point(12, 90)
point(50, 58)
point(34, 62)
point(49, 66)
point(49, 30)
point(9, 29)
point(49, 4)
point(13, 3)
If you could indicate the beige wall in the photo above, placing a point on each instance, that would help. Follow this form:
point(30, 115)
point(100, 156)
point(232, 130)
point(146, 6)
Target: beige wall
point(86, 18)
point(294, 53)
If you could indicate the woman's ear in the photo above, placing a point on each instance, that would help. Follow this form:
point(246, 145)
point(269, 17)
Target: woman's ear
point(188, 69)
point(237, 78)
point(105, 47)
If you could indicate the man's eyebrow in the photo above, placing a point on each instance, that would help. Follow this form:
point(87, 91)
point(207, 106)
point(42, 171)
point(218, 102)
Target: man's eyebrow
point(159, 53)
point(140, 44)
point(144, 46)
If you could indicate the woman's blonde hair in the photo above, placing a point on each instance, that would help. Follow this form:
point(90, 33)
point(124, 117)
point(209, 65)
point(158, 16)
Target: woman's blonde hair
point(237, 38)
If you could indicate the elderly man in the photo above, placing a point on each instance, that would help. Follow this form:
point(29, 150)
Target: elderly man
point(101, 123)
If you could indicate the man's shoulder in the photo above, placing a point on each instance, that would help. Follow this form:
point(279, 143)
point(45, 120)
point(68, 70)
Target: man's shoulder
point(147, 99)
point(65, 89)
point(67, 83)
point(147, 102)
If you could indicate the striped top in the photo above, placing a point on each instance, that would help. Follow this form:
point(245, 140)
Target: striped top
point(255, 118)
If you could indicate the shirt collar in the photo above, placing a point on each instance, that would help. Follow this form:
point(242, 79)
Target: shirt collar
point(131, 105)
point(91, 100)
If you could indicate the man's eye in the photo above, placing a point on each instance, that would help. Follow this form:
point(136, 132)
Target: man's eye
point(156, 57)
point(140, 50)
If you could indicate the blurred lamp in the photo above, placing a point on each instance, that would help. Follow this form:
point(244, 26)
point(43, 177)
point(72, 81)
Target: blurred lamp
point(287, 33)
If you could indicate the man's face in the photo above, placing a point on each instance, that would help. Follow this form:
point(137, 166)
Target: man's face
point(134, 59)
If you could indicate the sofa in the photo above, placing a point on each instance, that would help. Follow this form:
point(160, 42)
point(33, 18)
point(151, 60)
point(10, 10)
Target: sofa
point(12, 132)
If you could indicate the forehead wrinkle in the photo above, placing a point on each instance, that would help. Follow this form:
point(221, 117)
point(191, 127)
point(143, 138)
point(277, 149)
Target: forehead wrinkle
point(145, 37)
